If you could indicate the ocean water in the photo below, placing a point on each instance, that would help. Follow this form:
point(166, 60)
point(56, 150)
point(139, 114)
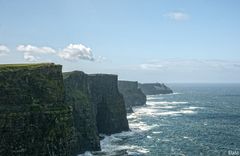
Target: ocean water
point(198, 119)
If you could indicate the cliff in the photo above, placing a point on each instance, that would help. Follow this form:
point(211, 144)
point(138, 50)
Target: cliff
point(42, 114)
point(133, 96)
point(154, 88)
point(109, 104)
point(78, 96)
point(34, 119)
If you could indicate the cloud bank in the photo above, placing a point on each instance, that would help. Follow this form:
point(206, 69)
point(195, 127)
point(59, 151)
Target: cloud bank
point(4, 50)
point(190, 70)
point(190, 65)
point(73, 52)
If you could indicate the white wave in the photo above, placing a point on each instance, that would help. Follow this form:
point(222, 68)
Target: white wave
point(160, 95)
point(157, 132)
point(176, 93)
point(187, 112)
point(165, 140)
point(149, 137)
point(143, 150)
point(193, 108)
point(141, 126)
point(154, 97)
point(166, 102)
point(110, 144)
point(142, 111)
point(131, 116)
point(87, 153)
point(162, 108)
point(107, 144)
point(155, 112)
point(175, 113)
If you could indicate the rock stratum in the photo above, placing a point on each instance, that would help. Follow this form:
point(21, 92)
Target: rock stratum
point(34, 119)
point(133, 95)
point(154, 88)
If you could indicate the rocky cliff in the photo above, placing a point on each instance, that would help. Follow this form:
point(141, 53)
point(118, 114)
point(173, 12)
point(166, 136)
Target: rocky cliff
point(40, 114)
point(78, 96)
point(154, 88)
point(133, 96)
point(109, 104)
point(34, 119)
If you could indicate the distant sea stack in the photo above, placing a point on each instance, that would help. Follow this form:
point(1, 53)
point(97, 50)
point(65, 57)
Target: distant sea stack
point(132, 94)
point(109, 104)
point(34, 119)
point(154, 88)
point(78, 95)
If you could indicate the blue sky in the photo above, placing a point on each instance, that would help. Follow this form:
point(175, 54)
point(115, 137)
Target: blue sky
point(144, 40)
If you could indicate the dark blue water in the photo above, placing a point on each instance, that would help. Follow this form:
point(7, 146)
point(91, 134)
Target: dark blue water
point(199, 119)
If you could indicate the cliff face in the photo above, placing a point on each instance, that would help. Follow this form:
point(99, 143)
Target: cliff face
point(78, 96)
point(34, 119)
point(155, 88)
point(133, 96)
point(109, 104)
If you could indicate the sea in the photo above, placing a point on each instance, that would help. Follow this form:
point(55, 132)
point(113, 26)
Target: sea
point(196, 120)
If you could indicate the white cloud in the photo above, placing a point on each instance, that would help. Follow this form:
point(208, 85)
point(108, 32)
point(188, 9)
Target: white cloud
point(30, 58)
point(148, 66)
point(35, 50)
point(4, 50)
point(72, 52)
point(177, 16)
point(30, 52)
point(75, 52)
point(101, 59)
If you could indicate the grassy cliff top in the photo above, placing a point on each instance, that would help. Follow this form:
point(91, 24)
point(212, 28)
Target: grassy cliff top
point(75, 72)
point(24, 66)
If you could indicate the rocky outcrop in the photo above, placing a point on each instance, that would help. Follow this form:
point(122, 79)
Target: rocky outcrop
point(154, 88)
point(34, 120)
point(109, 104)
point(133, 96)
point(78, 96)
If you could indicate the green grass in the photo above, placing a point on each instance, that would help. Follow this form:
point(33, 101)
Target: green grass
point(26, 66)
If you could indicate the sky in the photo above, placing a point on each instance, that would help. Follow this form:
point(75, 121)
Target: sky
point(186, 41)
